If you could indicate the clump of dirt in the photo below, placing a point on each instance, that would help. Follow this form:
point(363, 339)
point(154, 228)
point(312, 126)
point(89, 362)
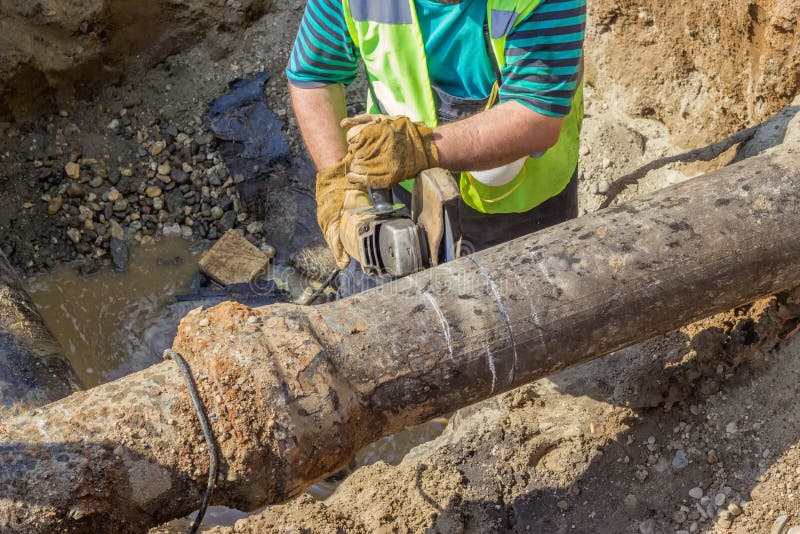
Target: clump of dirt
point(704, 69)
point(58, 50)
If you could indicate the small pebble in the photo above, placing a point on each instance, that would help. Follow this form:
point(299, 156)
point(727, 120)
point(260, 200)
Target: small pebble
point(679, 461)
point(607, 163)
point(734, 509)
point(719, 499)
point(696, 493)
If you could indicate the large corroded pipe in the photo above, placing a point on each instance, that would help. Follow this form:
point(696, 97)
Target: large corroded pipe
point(294, 391)
point(33, 368)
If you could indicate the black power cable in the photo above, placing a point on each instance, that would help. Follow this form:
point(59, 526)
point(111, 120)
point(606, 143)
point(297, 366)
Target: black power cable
point(213, 446)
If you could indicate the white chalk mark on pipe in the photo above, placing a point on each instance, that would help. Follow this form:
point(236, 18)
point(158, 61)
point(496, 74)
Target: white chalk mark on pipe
point(502, 307)
point(490, 361)
point(442, 320)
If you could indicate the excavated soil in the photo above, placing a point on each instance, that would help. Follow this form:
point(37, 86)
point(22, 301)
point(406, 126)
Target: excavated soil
point(695, 431)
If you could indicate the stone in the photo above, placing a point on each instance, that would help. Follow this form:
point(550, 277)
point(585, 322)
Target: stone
point(255, 228)
point(779, 524)
point(118, 249)
point(114, 195)
point(607, 163)
point(164, 169)
point(73, 170)
point(153, 191)
point(719, 499)
point(563, 505)
point(179, 176)
point(585, 150)
point(27, 205)
point(647, 527)
point(731, 428)
point(594, 189)
point(74, 235)
point(696, 493)
point(217, 212)
point(269, 250)
point(228, 221)
point(96, 182)
point(630, 500)
point(55, 205)
point(126, 172)
point(603, 187)
point(158, 147)
point(158, 204)
point(171, 229)
point(679, 461)
point(113, 125)
point(75, 190)
point(734, 509)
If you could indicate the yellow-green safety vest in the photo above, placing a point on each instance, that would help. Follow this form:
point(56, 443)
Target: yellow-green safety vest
point(388, 36)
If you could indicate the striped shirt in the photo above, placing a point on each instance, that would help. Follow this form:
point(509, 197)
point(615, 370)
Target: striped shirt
point(543, 52)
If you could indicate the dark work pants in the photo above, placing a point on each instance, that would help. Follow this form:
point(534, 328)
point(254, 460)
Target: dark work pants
point(479, 231)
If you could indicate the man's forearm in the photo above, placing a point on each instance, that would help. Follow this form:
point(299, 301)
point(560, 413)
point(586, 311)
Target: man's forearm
point(319, 111)
point(495, 137)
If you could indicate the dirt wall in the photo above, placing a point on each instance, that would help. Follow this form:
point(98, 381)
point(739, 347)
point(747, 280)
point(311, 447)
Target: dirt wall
point(705, 69)
point(53, 51)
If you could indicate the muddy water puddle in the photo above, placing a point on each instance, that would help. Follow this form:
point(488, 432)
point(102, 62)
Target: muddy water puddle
point(111, 324)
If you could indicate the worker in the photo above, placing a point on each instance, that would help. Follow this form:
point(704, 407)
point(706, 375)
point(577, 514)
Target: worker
point(489, 90)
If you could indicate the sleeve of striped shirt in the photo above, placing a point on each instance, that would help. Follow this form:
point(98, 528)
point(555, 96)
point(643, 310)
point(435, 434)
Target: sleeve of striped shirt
point(543, 57)
point(323, 51)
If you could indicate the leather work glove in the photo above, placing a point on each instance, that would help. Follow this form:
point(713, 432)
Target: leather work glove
point(388, 150)
point(334, 195)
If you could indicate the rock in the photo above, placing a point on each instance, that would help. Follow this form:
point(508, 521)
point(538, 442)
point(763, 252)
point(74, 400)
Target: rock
point(179, 176)
point(171, 229)
point(696, 493)
point(118, 249)
point(27, 205)
point(594, 189)
point(631, 501)
point(126, 172)
point(153, 191)
point(158, 204)
point(603, 187)
point(120, 205)
point(186, 231)
point(255, 228)
point(679, 461)
point(779, 524)
point(734, 509)
point(114, 195)
point(113, 125)
point(719, 499)
point(73, 170)
point(116, 231)
point(607, 163)
point(585, 150)
point(55, 205)
point(158, 147)
point(228, 221)
point(269, 250)
point(96, 182)
point(731, 427)
point(724, 523)
point(75, 190)
point(164, 169)
point(647, 527)
point(217, 212)
point(563, 505)
point(74, 235)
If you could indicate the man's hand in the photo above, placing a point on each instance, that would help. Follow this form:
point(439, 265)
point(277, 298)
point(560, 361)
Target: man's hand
point(388, 150)
point(335, 194)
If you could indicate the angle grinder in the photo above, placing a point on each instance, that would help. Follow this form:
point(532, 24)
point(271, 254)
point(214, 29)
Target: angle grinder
point(388, 238)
